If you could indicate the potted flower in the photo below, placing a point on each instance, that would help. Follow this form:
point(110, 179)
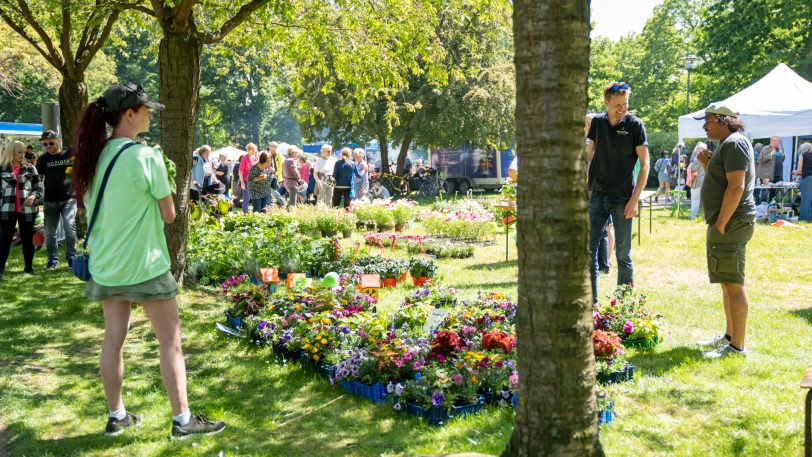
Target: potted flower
point(390, 271)
point(421, 270)
point(401, 214)
point(247, 299)
point(345, 222)
point(383, 217)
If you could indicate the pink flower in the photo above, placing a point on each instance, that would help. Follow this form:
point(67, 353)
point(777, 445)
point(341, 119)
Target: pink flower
point(614, 302)
point(628, 327)
point(458, 379)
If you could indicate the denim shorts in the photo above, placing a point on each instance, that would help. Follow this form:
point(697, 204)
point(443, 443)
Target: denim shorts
point(160, 288)
point(727, 253)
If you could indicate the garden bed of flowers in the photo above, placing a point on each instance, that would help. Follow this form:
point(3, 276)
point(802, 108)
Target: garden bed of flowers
point(623, 320)
point(454, 368)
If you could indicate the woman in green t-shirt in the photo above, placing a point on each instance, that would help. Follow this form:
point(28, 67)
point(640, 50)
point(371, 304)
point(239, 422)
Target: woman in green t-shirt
point(129, 260)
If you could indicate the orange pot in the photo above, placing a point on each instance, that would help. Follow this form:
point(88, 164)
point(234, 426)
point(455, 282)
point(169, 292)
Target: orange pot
point(390, 282)
point(420, 281)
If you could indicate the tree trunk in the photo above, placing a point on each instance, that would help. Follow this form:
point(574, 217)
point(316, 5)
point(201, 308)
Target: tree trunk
point(383, 143)
point(806, 64)
point(557, 414)
point(72, 98)
point(404, 151)
point(179, 70)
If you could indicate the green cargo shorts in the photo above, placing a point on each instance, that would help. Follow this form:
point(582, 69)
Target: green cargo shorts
point(159, 288)
point(726, 253)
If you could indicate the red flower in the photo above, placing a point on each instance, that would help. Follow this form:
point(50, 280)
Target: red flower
point(606, 344)
point(446, 342)
point(498, 340)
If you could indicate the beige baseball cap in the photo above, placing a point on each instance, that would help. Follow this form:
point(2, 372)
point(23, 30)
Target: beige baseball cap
point(719, 108)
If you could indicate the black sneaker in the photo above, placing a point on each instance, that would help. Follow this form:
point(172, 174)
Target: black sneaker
point(199, 425)
point(29, 271)
point(116, 427)
point(52, 263)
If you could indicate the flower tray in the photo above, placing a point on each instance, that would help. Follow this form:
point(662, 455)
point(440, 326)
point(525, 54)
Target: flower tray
point(627, 374)
point(642, 344)
point(607, 415)
point(437, 415)
point(235, 322)
point(373, 392)
point(327, 371)
point(498, 398)
point(287, 353)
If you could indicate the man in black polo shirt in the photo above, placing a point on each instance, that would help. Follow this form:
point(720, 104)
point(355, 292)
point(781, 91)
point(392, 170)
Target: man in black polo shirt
point(60, 203)
point(616, 141)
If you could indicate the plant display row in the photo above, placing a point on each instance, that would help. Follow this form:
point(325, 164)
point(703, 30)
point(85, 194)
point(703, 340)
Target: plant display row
point(417, 244)
point(384, 213)
point(249, 242)
point(321, 220)
point(465, 219)
point(466, 358)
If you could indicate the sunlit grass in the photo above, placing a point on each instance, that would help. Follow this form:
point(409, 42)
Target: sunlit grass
point(51, 400)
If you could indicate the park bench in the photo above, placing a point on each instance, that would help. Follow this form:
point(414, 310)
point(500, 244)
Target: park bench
point(806, 383)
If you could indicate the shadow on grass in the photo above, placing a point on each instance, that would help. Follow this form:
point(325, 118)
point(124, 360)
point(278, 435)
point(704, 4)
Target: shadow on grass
point(659, 363)
point(805, 314)
point(495, 286)
point(493, 265)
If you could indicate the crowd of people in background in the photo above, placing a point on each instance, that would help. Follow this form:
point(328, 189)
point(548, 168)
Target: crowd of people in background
point(283, 175)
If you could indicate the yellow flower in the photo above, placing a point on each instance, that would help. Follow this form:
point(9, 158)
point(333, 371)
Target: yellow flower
point(306, 346)
point(325, 321)
point(297, 307)
point(473, 378)
point(316, 357)
point(315, 350)
point(323, 341)
point(467, 315)
point(398, 342)
point(68, 170)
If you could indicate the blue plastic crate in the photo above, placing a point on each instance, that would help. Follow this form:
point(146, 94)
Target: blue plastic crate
point(236, 322)
point(376, 393)
point(606, 416)
point(437, 415)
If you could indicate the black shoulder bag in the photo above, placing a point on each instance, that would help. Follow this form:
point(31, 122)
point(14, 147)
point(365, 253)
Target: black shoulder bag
point(81, 263)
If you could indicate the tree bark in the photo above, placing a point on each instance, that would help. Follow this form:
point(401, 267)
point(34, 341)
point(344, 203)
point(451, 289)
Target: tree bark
point(404, 151)
point(72, 98)
point(179, 71)
point(806, 64)
point(383, 143)
point(556, 414)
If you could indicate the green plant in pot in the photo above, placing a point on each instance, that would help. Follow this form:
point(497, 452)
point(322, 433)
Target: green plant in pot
point(421, 269)
point(383, 218)
point(401, 215)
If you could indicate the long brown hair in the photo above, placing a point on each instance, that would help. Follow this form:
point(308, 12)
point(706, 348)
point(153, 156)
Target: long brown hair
point(89, 140)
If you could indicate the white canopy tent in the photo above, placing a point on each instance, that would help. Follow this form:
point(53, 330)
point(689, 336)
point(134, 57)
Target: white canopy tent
point(231, 152)
point(780, 104)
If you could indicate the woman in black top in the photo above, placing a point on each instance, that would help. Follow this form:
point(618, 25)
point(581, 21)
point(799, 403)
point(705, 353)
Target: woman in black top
point(343, 176)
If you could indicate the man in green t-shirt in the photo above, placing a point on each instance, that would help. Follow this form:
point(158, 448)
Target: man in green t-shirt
point(730, 212)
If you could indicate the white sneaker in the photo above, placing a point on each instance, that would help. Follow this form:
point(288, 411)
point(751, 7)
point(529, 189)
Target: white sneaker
point(715, 342)
point(725, 351)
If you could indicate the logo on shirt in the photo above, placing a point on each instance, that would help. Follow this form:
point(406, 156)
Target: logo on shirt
point(622, 132)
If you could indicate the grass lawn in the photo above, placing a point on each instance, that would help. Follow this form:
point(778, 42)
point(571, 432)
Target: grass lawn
point(51, 399)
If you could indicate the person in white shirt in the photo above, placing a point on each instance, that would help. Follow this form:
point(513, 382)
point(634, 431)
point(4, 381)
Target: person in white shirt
point(324, 173)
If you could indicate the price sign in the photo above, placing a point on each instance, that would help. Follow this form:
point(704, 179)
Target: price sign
point(436, 317)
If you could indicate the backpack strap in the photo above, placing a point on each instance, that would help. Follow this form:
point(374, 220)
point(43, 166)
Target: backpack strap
point(97, 205)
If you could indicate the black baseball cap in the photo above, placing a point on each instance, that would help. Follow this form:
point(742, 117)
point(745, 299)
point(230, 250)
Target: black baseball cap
point(127, 95)
point(48, 135)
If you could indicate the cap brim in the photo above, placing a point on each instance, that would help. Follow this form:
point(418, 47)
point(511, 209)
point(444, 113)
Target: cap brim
point(699, 118)
point(155, 105)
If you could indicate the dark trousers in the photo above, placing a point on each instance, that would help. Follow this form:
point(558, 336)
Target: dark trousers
point(26, 235)
point(341, 192)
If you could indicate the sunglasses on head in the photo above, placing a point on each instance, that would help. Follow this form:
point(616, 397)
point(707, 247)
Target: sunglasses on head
point(621, 86)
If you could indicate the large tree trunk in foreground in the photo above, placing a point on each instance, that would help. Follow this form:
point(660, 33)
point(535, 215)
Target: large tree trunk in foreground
point(179, 67)
point(72, 98)
point(556, 415)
